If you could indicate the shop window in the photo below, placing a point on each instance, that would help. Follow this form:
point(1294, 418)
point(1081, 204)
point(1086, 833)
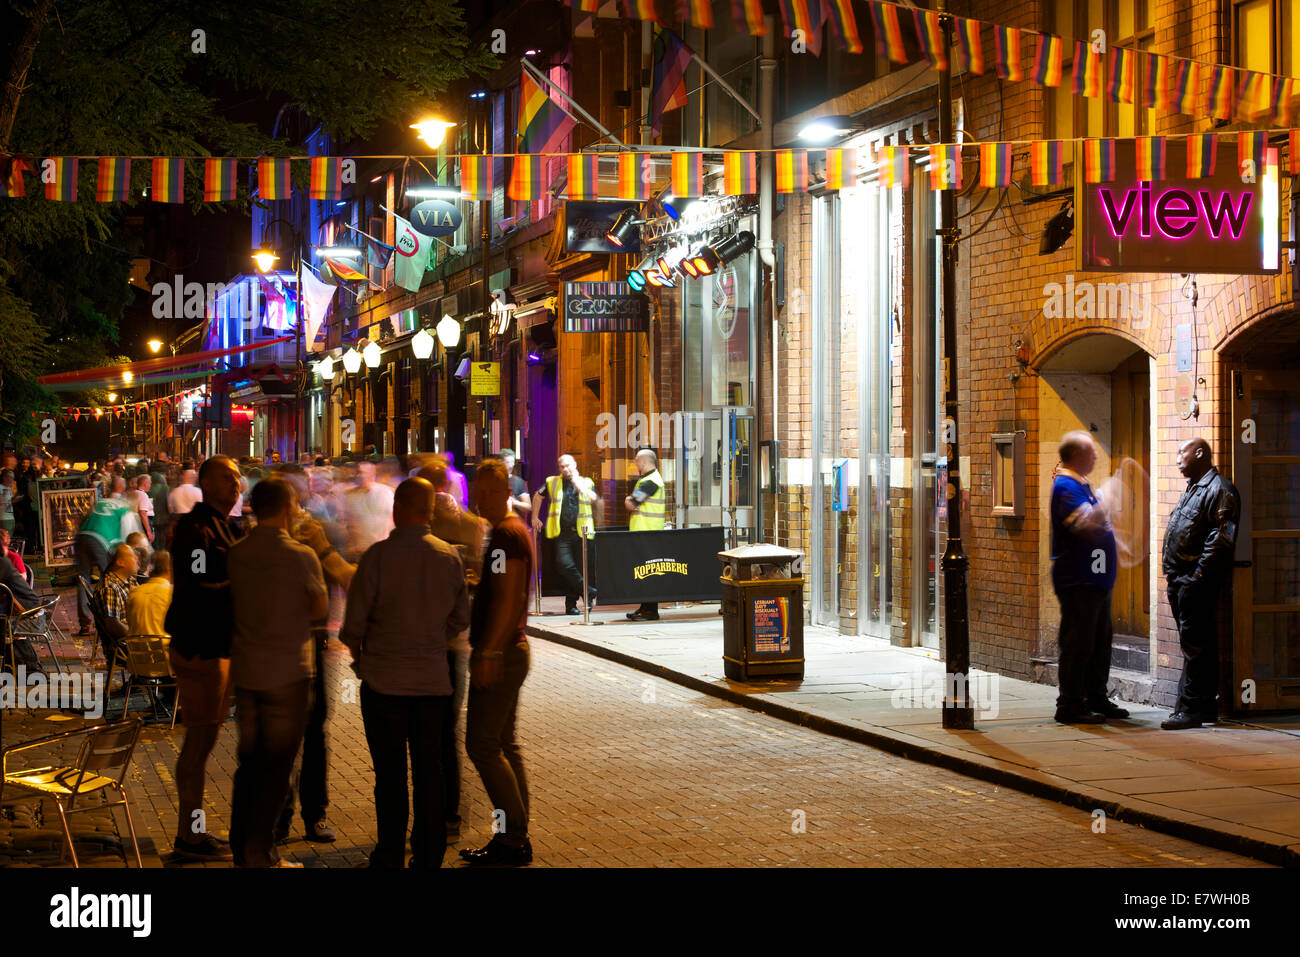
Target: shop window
point(1266, 35)
point(1127, 23)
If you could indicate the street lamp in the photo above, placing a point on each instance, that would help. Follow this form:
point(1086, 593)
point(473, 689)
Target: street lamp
point(352, 362)
point(433, 131)
point(154, 345)
point(448, 330)
point(326, 368)
point(422, 344)
point(372, 354)
point(265, 259)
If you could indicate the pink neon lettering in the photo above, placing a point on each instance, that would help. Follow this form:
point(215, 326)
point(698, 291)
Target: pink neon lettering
point(1175, 212)
point(1214, 215)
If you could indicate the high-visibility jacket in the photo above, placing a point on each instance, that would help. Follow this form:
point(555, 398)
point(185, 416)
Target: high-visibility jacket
point(649, 516)
point(555, 492)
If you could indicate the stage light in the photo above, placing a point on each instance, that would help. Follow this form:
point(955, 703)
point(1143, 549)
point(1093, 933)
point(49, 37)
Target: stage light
point(733, 246)
point(624, 228)
point(636, 280)
point(1058, 229)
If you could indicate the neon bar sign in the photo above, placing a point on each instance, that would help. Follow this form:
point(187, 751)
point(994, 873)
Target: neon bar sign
point(1225, 223)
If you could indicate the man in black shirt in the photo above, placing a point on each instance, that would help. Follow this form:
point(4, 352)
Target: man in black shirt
point(520, 501)
point(201, 621)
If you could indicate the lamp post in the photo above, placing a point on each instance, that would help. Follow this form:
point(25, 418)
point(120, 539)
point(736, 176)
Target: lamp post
point(265, 258)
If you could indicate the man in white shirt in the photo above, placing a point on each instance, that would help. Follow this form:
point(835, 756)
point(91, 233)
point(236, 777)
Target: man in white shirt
point(144, 504)
point(368, 510)
point(182, 499)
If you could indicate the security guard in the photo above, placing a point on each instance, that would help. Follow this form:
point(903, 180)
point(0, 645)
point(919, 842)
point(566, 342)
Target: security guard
point(568, 510)
point(648, 506)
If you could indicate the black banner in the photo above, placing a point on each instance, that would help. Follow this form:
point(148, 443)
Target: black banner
point(679, 564)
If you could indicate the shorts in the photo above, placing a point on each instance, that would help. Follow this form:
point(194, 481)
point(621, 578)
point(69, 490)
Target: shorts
point(204, 689)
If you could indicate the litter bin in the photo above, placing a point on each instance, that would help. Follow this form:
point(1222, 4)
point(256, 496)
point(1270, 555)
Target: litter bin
point(762, 612)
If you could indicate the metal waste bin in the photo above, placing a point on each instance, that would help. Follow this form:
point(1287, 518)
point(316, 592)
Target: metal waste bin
point(762, 612)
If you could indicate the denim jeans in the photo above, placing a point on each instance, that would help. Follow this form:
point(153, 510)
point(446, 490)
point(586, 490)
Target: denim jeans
point(395, 724)
point(490, 742)
point(271, 725)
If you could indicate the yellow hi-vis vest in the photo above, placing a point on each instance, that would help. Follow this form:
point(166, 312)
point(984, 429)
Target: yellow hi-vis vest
point(555, 492)
point(649, 516)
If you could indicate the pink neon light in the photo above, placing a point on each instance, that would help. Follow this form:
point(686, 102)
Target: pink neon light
point(1213, 212)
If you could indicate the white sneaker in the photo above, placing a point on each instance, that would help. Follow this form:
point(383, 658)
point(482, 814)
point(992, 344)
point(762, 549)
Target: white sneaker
point(286, 863)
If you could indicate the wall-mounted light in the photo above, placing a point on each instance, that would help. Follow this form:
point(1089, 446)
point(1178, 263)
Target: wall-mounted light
point(326, 368)
point(827, 128)
point(448, 330)
point(352, 361)
point(1058, 229)
point(334, 252)
point(422, 344)
point(372, 353)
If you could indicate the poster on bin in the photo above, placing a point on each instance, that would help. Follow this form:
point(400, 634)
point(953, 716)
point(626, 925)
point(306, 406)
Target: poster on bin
point(770, 625)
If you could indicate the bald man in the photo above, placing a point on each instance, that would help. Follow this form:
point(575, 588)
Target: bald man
point(112, 595)
point(1199, 543)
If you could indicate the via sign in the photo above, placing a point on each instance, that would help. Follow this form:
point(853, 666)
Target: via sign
point(1227, 222)
point(436, 217)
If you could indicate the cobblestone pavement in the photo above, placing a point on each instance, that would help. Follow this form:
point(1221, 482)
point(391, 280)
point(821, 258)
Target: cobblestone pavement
point(626, 770)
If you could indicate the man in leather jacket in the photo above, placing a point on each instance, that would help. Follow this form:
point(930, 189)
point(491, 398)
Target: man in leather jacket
point(1198, 549)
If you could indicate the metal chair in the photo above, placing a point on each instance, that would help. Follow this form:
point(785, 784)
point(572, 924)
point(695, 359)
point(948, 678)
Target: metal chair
point(102, 762)
point(86, 590)
point(28, 626)
point(145, 660)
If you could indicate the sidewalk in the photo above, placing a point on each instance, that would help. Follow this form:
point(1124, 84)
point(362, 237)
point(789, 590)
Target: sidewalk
point(1233, 786)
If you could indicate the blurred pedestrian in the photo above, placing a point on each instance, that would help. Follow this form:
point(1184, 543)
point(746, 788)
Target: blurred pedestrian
point(568, 516)
point(368, 511)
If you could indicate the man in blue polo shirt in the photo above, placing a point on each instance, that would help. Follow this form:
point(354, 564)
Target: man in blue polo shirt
point(1083, 574)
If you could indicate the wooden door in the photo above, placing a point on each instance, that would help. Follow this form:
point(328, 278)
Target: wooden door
point(1131, 439)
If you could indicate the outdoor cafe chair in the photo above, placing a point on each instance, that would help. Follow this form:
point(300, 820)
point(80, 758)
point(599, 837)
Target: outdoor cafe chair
point(102, 762)
point(145, 661)
point(29, 626)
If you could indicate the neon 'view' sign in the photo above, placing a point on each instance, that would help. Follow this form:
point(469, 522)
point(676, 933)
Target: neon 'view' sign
point(1225, 223)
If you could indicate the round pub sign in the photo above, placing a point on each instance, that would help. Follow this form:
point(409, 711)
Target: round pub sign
point(436, 217)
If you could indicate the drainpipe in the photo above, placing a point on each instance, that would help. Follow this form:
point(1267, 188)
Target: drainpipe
point(765, 246)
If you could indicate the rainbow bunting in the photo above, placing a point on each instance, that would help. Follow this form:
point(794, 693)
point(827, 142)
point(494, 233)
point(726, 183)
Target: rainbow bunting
point(168, 180)
point(889, 35)
point(739, 173)
point(930, 35)
point(698, 13)
point(1202, 152)
point(970, 52)
point(806, 16)
point(326, 177)
point(273, 179)
point(220, 179)
point(841, 168)
point(635, 174)
point(59, 173)
point(791, 171)
point(1219, 94)
point(945, 166)
point(1254, 96)
point(476, 177)
point(1283, 91)
point(1006, 45)
point(1250, 146)
point(1047, 61)
point(1085, 75)
point(113, 184)
point(1186, 92)
point(11, 175)
point(1120, 87)
point(894, 167)
point(844, 25)
point(1150, 158)
point(584, 176)
point(1293, 148)
point(1098, 160)
point(526, 178)
point(1157, 85)
point(585, 6)
point(639, 10)
point(748, 17)
point(995, 165)
point(688, 174)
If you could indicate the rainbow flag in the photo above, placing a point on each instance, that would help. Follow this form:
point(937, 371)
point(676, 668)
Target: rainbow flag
point(889, 35)
point(1202, 152)
point(1098, 160)
point(1157, 86)
point(1186, 92)
point(1250, 146)
point(1085, 75)
point(62, 185)
point(1254, 96)
point(1219, 94)
point(970, 52)
point(698, 13)
point(11, 175)
point(168, 180)
point(220, 179)
point(635, 174)
point(995, 165)
point(1293, 148)
point(739, 173)
point(807, 16)
point(1048, 69)
point(668, 83)
point(113, 184)
point(542, 124)
point(894, 168)
point(844, 25)
point(585, 6)
point(584, 176)
point(476, 177)
point(1150, 158)
point(273, 179)
point(688, 174)
point(1121, 82)
point(326, 177)
point(1283, 91)
point(841, 168)
point(748, 17)
point(1006, 45)
point(344, 270)
point(639, 10)
point(525, 178)
point(930, 35)
point(945, 166)
point(791, 171)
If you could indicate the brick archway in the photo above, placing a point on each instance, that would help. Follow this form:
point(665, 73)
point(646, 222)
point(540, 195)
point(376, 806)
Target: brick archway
point(1146, 342)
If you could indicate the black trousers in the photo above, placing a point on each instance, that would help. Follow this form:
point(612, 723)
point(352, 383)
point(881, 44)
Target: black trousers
point(91, 556)
point(1195, 609)
point(270, 723)
point(568, 562)
point(395, 724)
point(456, 665)
point(1085, 642)
point(313, 774)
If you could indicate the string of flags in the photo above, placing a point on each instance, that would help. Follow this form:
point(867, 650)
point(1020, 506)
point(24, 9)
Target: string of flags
point(628, 176)
point(118, 410)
